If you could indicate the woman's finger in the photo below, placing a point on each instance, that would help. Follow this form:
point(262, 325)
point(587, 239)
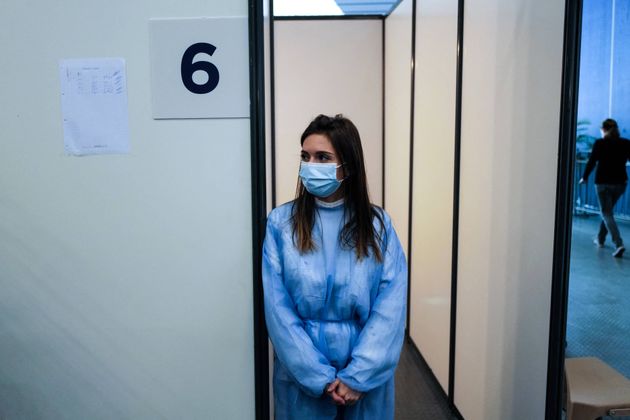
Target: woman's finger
point(332, 385)
point(337, 399)
point(351, 396)
point(342, 389)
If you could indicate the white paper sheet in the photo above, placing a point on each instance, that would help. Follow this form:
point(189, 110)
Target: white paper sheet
point(94, 106)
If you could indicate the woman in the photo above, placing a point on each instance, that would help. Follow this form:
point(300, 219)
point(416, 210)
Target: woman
point(610, 154)
point(335, 282)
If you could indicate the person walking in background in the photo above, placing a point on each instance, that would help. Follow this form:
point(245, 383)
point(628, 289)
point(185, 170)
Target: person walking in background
point(609, 154)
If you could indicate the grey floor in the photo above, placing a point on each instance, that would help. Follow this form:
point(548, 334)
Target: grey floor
point(417, 396)
point(598, 322)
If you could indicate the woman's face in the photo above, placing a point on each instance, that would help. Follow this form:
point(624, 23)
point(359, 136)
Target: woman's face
point(317, 148)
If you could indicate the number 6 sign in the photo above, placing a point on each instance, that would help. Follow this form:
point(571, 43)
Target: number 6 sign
point(199, 68)
point(189, 68)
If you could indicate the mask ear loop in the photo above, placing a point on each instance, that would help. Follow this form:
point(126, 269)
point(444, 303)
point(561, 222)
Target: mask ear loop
point(345, 177)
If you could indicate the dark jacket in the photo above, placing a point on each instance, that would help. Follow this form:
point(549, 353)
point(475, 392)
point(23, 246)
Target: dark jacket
point(610, 155)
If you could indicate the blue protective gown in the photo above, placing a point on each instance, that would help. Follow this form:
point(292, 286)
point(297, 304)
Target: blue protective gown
point(331, 316)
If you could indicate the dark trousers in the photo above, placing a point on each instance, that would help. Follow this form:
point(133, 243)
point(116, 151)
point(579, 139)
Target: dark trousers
point(608, 195)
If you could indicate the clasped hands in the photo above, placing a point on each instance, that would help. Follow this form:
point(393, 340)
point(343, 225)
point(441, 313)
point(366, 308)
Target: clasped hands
point(342, 394)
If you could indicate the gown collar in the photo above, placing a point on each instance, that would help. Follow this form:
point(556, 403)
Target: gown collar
point(326, 205)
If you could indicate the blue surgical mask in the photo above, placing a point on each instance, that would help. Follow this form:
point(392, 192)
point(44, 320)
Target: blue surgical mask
point(320, 179)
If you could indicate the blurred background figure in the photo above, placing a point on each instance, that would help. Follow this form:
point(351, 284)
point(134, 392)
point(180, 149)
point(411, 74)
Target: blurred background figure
point(609, 157)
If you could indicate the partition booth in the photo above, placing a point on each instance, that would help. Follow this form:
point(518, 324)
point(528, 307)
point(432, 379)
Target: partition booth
point(127, 260)
point(130, 272)
point(469, 97)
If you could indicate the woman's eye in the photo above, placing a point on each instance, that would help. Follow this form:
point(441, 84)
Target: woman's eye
point(324, 157)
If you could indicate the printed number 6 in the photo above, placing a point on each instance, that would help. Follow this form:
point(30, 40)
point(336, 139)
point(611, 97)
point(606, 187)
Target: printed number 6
point(189, 68)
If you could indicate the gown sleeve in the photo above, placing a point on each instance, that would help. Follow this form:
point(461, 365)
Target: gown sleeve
point(377, 350)
point(293, 347)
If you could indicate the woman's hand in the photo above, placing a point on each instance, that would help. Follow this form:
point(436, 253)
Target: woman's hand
point(331, 390)
point(349, 395)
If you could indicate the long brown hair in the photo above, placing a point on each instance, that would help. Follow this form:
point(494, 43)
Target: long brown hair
point(358, 232)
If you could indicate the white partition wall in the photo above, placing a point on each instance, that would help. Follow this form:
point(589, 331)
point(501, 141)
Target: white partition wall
point(125, 280)
point(512, 67)
point(433, 171)
point(510, 125)
point(398, 117)
point(327, 67)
